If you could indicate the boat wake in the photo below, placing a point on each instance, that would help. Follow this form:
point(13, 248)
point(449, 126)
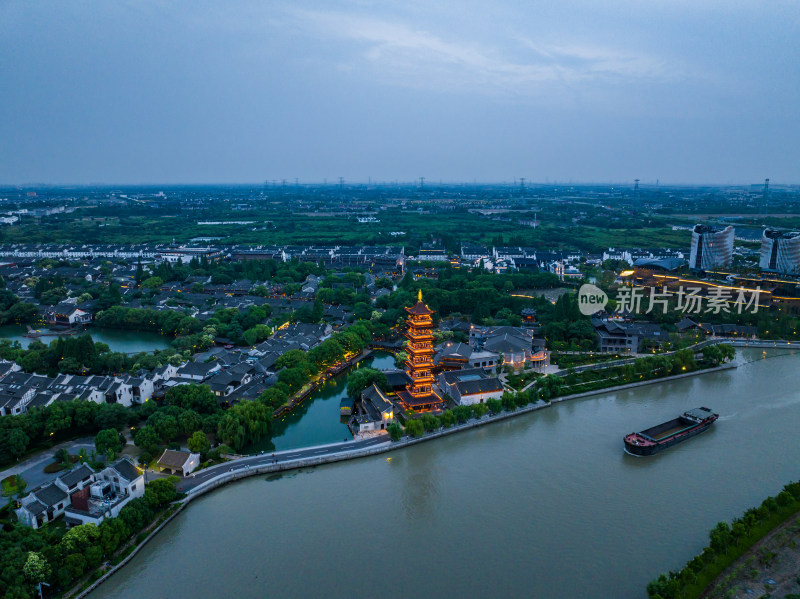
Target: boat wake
point(633, 454)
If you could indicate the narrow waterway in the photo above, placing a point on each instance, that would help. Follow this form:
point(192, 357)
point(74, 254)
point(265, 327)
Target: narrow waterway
point(544, 505)
point(316, 421)
point(117, 340)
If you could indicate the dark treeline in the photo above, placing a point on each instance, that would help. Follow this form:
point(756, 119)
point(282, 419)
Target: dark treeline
point(726, 543)
point(60, 557)
point(224, 273)
point(81, 355)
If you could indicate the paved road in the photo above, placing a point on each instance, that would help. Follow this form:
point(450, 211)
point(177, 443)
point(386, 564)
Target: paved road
point(32, 468)
point(285, 458)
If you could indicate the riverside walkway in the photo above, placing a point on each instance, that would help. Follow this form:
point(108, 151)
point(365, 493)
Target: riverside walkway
point(279, 461)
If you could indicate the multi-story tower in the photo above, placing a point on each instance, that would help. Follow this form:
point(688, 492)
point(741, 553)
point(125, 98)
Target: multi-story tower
point(712, 247)
point(780, 251)
point(419, 394)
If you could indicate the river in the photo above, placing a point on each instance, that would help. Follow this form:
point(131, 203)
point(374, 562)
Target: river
point(544, 505)
point(117, 340)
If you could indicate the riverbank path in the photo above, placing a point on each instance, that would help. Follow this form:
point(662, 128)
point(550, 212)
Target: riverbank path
point(286, 458)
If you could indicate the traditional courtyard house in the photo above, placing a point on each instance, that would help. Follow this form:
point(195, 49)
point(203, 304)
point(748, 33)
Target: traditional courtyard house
point(198, 371)
point(181, 463)
point(225, 383)
point(470, 386)
point(118, 392)
point(397, 380)
point(455, 356)
point(47, 502)
point(620, 337)
point(67, 314)
point(142, 388)
point(107, 493)
point(430, 253)
point(42, 505)
point(375, 411)
point(474, 253)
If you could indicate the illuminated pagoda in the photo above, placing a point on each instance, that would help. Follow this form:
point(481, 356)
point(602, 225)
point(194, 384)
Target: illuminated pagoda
point(419, 394)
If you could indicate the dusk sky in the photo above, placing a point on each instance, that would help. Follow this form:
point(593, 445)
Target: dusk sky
point(702, 91)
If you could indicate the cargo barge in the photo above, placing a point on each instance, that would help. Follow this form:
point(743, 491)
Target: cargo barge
point(667, 434)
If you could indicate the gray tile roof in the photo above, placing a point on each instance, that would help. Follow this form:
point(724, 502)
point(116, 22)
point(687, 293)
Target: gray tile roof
point(50, 495)
point(35, 507)
point(173, 459)
point(479, 386)
point(76, 475)
point(126, 469)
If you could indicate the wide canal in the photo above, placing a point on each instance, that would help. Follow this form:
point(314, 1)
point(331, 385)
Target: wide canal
point(544, 505)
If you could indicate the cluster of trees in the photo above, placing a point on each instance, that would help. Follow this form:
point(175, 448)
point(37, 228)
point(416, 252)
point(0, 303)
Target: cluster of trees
point(243, 327)
point(566, 328)
point(74, 355)
point(489, 299)
point(50, 290)
point(298, 366)
point(61, 557)
point(418, 426)
point(60, 421)
point(479, 294)
point(363, 378)
point(166, 322)
point(12, 310)
point(225, 273)
point(191, 412)
point(726, 543)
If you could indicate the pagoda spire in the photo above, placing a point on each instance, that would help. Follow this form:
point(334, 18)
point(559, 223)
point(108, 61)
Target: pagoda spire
point(419, 394)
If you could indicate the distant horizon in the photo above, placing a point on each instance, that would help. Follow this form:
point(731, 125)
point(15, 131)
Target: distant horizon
point(407, 183)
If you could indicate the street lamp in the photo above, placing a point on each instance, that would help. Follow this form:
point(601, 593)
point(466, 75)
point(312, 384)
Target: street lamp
point(39, 586)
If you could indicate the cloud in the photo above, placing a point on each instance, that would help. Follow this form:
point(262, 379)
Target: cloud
point(397, 53)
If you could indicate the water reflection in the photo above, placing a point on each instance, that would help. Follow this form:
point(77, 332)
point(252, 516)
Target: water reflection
point(420, 489)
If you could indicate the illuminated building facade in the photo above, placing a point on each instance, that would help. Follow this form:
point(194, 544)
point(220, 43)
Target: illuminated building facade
point(419, 394)
point(780, 251)
point(712, 247)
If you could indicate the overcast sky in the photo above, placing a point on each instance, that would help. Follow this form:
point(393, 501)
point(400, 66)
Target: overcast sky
point(684, 91)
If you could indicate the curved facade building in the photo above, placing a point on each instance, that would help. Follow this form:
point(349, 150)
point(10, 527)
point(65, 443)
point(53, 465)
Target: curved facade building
point(780, 251)
point(712, 247)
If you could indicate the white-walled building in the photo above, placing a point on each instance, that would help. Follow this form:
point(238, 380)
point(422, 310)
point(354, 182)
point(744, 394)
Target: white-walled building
point(712, 247)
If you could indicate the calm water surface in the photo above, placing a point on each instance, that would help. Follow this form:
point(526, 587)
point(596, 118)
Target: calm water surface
point(316, 421)
point(120, 341)
point(544, 505)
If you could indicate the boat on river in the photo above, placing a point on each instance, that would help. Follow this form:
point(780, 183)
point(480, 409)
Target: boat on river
point(662, 436)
